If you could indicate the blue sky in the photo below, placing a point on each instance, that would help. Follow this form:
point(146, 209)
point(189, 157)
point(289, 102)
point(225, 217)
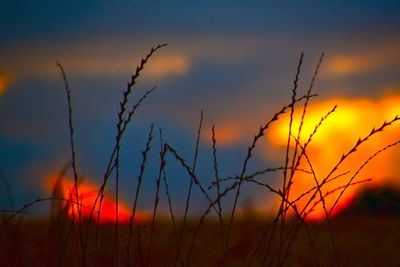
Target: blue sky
point(234, 61)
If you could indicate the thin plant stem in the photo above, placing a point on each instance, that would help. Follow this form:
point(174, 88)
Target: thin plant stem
point(249, 155)
point(346, 155)
point(167, 192)
point(121, 127)
point(216, 172)
point(189, 192)
point(138, 187)
point(287, 156)
point(296, 162)
point(157, 199)
point(73, 156)
point(358, 171)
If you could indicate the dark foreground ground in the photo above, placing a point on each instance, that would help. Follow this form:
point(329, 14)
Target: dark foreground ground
point(359, 241)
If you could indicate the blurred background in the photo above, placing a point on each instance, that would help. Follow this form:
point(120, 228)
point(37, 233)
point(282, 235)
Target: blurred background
point(234, 61)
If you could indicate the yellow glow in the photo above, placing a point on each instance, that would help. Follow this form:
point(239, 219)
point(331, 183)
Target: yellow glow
point(347, 117)
point(337, 135)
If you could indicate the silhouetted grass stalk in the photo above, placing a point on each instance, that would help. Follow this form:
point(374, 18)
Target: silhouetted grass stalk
point(189, 192)
point(121, 127)
point(167, 192)
point(157, 199)
point(73, 159)
point(276, 232)
point(249, 155)
point(287, 156)
point(138, 187)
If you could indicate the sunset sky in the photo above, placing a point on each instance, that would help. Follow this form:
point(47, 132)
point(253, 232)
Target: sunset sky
point(236, 62)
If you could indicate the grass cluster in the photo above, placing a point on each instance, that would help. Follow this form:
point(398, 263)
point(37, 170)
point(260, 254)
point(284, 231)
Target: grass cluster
point(217, 236)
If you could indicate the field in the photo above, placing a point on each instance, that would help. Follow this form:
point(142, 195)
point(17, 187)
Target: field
point(359, 240)
point(87, 227)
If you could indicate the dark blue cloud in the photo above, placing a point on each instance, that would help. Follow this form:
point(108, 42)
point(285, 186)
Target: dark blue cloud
point(48, 19)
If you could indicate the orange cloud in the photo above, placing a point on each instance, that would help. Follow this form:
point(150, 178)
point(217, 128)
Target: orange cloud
point(345, 65)
point(226, 134)
point(164, 65)
point(367, 60)
point(337, 135)
point(84, 58)
point(5, 81)
point(159, 66)
point(87, 193)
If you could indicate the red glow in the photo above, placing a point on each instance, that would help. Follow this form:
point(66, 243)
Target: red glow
point(317, 215)
point(87, 194)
